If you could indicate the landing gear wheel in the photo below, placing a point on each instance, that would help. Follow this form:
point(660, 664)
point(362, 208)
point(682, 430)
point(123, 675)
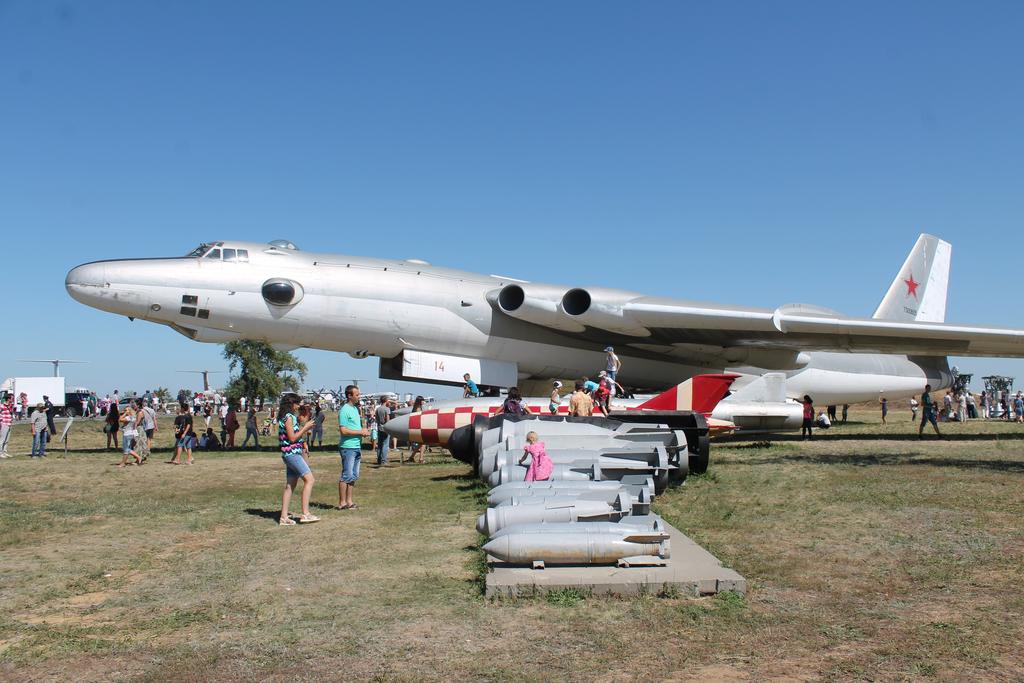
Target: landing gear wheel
point(700, 455)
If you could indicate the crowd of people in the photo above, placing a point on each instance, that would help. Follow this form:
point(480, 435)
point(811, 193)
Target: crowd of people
point(959, 406)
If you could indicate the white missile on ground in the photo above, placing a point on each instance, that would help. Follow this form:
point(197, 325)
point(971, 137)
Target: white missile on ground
point(598, 467)
point(565, 508)
point(636, 485)
point(654, 455)
point(641, 541)
point(586, 470)
point(635, 496)
point(512, 448)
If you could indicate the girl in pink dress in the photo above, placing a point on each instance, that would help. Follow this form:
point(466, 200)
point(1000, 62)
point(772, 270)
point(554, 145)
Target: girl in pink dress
point(540, 464)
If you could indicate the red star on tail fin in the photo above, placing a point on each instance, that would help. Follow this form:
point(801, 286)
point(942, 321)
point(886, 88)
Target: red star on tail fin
point(911, 286)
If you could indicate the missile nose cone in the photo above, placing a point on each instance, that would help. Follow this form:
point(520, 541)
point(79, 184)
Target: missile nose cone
point(398, 427)
point(481, 523)
point(497, 547)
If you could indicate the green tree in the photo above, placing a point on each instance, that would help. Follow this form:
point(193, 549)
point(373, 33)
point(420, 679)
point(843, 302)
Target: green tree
point(262, 370)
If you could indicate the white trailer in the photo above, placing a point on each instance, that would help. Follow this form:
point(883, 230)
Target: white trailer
point(35, 388)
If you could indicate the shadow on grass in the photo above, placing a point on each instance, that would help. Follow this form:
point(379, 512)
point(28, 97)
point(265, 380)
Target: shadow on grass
point(168, 451)
point(866, 460)
point(477, 564)
point(467, 476)
point(829, 435)
point(265, 514)
point(822, 435)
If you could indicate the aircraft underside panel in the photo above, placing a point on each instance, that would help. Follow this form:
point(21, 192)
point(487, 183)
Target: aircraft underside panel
point(441, 368)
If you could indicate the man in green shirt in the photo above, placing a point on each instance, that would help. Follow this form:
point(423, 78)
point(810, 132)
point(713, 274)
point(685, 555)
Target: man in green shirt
point(928, 412)
point(350, 426)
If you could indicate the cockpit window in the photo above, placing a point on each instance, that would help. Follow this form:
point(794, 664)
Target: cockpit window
point(229, 254)
point(243, 256)
point(214, 254)
point(203, 248)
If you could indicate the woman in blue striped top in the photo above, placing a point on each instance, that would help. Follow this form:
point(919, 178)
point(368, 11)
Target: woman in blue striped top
point(290, 435)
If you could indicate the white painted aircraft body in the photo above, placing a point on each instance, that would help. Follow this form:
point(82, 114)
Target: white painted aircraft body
point(428, 323)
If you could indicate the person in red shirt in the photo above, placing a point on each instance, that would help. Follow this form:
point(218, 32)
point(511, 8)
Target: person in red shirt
point(805, 429)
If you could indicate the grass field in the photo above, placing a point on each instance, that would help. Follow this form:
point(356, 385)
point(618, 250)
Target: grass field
point(870, 555)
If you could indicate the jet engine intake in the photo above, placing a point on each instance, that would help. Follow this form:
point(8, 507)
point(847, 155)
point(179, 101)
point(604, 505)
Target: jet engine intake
point(537, 304)
point(602, 309)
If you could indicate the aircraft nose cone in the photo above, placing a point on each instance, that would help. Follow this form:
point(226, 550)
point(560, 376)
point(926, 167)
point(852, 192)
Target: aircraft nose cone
point(80, 278)
point(86, 274)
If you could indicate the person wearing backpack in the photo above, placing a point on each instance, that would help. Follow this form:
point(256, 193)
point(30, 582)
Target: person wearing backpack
point(513, 404)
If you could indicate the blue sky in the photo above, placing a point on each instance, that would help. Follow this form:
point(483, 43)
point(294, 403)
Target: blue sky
point(750, 153)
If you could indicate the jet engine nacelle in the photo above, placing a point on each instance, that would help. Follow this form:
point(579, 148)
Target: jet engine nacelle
point(536, 304)
point(603, 309)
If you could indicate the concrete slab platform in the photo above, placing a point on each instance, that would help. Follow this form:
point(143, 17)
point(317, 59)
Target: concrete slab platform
point(690, 571)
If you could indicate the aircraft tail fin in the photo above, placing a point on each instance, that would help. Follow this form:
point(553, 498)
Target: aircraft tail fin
point(700, 393)
point(919, 291)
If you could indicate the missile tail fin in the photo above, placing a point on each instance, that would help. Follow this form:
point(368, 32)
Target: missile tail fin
point(700, 393)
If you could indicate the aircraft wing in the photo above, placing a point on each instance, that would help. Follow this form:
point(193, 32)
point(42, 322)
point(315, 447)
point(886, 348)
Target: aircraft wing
point(696, 331)
point(799, 328)
point(908, 321)
point(806, 328)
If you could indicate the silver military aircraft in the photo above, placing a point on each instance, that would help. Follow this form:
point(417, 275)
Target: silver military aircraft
point(434, 324)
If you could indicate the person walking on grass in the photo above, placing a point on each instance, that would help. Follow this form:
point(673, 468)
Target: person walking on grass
point(182, 436)
point(885, 407)
point(230, 423)
point(350, 427)
point(111, 424)
point(382, 415)
point(928, 413)
point(292, 439)
point(147, 418)
point(317, 434)
point(417, 451)
point(6, 419)
point(250, 428)
point(128, 433)
point(808, 423)
point(38, 419)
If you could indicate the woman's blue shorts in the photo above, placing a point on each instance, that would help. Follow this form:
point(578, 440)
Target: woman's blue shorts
point(295, 466)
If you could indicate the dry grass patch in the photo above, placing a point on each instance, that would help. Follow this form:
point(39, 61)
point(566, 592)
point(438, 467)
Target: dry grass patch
point(870, 554)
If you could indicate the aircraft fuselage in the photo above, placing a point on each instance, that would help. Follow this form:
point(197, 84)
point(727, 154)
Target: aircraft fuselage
point(366, 306)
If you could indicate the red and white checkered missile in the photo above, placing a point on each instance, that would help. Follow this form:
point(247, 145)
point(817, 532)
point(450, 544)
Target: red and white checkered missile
point(435, 426)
